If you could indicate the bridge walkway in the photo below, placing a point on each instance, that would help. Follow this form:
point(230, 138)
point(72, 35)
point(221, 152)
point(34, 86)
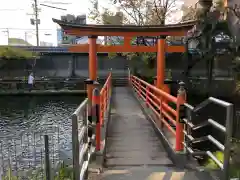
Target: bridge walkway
point(133, 149)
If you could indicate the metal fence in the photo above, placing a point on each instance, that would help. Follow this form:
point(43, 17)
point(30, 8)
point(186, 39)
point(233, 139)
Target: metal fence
point(80, 142)
point(24, 156)
point(225, 147)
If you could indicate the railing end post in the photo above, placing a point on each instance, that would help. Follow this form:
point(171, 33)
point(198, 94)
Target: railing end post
point(96, 106)
point(181, 94)
point(181, 99)
point(96, 83)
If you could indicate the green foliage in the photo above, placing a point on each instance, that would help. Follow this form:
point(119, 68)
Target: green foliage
point(235, 160)
point(7, 52)
point(211, 164)
point(64, 173)
point(18, 41)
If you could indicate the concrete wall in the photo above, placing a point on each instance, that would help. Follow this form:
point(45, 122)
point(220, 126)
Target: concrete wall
point(61, 66)
point(64, 66)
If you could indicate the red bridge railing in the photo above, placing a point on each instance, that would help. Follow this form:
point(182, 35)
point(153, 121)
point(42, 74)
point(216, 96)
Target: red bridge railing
point(101, 102)
point(105, 97)
point(159, 102)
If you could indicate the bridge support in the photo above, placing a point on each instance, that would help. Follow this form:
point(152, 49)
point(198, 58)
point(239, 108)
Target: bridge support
point(161, 61)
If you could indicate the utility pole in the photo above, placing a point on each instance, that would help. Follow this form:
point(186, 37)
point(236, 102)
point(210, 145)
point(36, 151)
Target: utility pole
point(7, 31)
point(25, 36)
point(37, 21)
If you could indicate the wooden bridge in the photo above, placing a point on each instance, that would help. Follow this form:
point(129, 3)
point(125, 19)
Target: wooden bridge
point(141, 131)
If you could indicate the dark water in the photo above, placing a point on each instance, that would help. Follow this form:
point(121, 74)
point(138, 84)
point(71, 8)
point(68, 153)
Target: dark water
point(24, 113)
point(24, 120)
point(20, 115)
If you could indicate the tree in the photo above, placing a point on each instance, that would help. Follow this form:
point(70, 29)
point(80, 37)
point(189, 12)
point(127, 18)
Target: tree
point(190, 13)
point(7, 52)
point(137, 12)
point(147, 12)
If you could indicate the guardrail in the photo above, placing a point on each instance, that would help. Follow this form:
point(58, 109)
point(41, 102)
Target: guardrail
point(158, 101)
point(227, 130)
point(80, 141)
point(83, 146)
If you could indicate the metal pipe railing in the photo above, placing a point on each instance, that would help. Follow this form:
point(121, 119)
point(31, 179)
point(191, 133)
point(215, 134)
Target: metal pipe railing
point(80, 141)
point(227, 130)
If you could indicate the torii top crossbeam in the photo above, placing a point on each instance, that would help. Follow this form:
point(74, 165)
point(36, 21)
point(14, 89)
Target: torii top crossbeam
point(125, 30)
point(128, 32)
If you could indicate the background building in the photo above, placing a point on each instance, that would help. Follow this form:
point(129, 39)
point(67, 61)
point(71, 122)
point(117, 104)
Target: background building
point(62, 37)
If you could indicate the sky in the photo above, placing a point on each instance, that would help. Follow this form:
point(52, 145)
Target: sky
point(14, 17)
point(13, 14)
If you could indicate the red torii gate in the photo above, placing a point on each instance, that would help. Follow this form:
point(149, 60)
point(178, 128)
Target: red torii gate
point(128, 32)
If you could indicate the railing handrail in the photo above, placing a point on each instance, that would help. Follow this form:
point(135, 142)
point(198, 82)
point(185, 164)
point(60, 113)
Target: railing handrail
point(161, 93)
point(157, 101)
point(227, 130)
point(80, 107)
point(80, 157)
point(106, 82)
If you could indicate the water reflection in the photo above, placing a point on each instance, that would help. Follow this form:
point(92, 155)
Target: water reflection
point(24, 120)
point(23, 113)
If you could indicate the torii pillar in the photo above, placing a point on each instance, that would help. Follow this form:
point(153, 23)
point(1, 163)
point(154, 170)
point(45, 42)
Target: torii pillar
point(161, 50)
point(92, 69)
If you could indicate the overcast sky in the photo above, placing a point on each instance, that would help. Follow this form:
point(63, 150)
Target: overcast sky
point(13, 15)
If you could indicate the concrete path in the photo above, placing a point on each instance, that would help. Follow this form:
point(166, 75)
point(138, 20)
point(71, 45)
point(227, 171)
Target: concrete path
point(131, 139)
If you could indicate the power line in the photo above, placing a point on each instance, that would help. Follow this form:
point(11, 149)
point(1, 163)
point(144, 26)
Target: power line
point(58, 3)
point(23, 29)
point(53, 7)
point(12, 9)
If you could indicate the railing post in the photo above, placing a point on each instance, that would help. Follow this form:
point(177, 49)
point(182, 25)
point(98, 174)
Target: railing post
point(90, 86)
point(96, 101)
point(86, 135)
point(101, 109)
point(147, 95)
point(181, 99)
point(139, 88)
point(75, 147)
point(228, 142)
point(129, 77)
point(47, 159)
